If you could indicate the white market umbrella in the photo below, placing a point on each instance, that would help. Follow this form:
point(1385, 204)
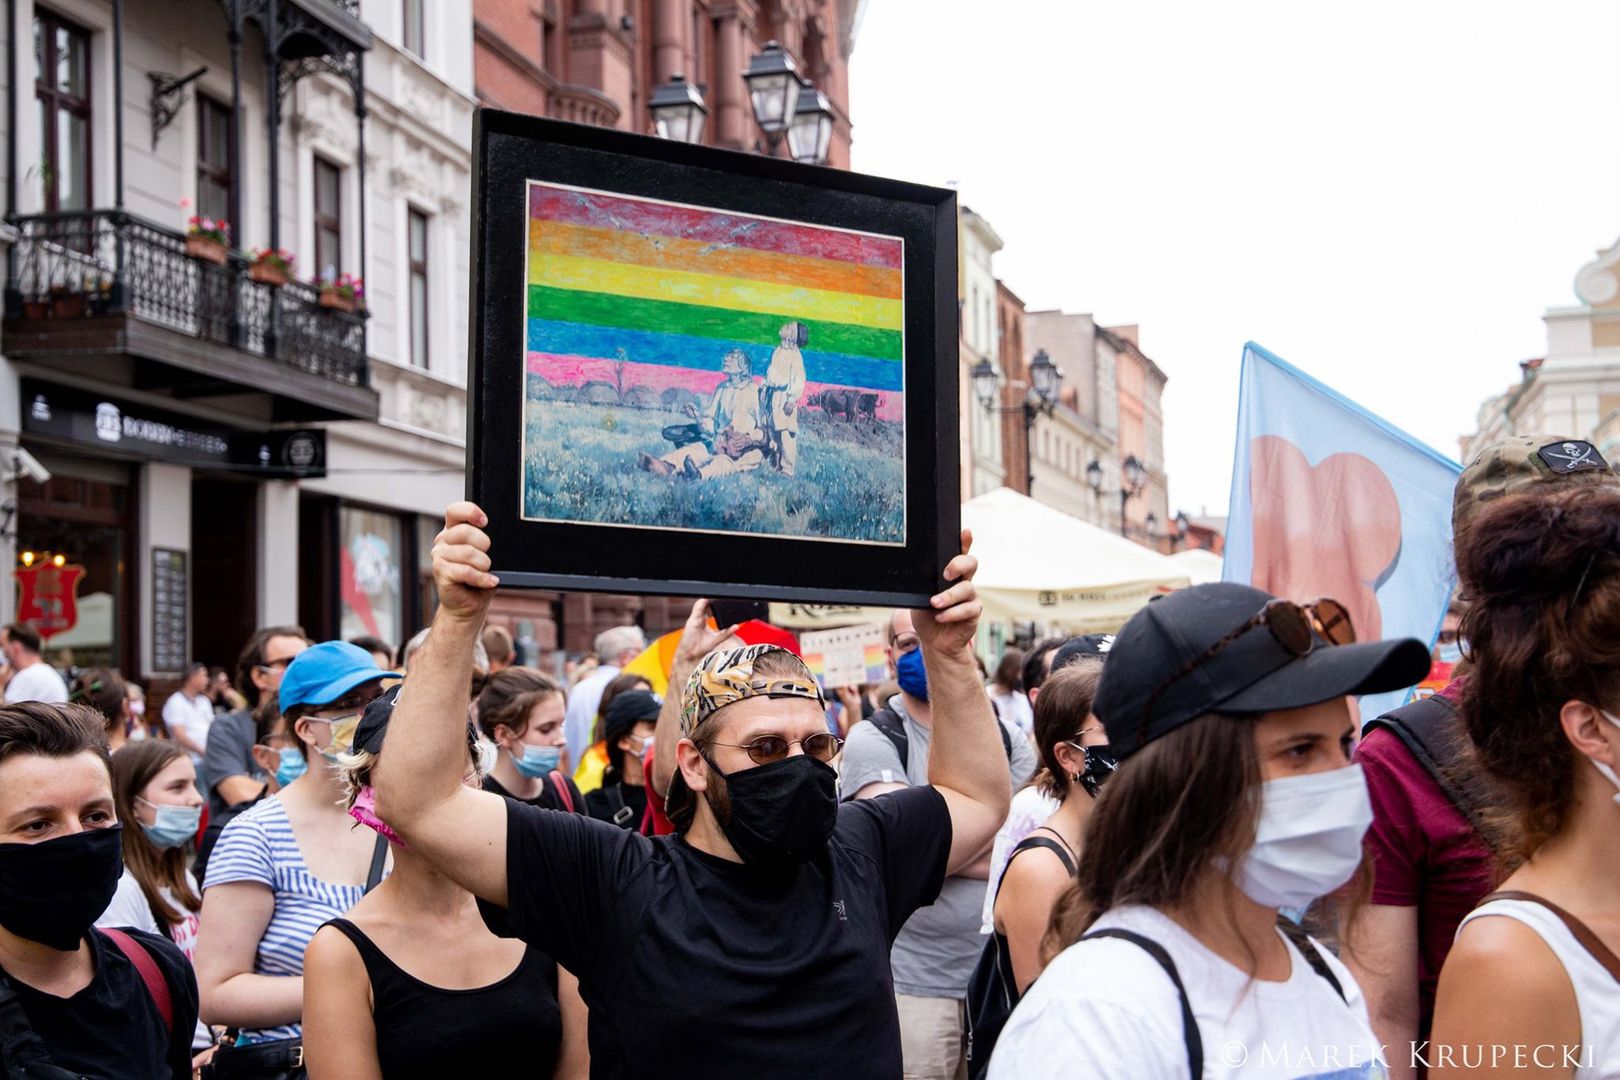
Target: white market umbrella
point(1040, 564)
point(1202, 565)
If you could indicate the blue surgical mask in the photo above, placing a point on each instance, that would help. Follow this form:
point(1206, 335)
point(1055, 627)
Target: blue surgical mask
point(1452, 653)
point(174, 825)
point(537, 760)
point(292, 766)
point(912, 675)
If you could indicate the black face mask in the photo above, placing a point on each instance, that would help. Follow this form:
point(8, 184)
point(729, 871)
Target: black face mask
point(781, 814)
point(51, 892)
point(1100, 765)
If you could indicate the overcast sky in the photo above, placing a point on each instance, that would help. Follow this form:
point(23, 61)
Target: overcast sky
point(1388, 195)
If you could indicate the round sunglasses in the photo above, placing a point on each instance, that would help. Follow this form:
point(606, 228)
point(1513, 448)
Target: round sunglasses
point(823, 746)
point(1293, 626)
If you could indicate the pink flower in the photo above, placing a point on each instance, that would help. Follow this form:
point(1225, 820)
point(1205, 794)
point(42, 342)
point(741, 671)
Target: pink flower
point(185, 203)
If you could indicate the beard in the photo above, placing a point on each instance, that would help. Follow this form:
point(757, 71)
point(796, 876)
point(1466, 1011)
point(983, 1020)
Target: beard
point(718, 798)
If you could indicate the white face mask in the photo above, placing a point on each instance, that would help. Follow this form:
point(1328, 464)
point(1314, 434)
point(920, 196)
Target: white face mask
point(1602, 768)
point(1309, 839)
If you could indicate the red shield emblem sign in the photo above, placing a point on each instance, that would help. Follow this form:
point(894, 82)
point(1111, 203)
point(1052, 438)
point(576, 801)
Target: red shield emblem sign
point(50, 597)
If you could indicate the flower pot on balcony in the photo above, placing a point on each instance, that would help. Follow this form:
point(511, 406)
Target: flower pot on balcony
point(36, 309)
point(339, 299)
point(68, 305)
point(207, 250)
point(270, 274)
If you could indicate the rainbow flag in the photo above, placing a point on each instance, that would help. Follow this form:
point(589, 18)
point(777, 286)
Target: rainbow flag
point(653, 294)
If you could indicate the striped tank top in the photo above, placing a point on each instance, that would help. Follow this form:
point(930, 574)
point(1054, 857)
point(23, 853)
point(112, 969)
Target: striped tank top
point(258, 846)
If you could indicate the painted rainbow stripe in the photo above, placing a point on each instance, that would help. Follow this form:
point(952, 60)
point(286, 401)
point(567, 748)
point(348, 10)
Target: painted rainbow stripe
point(669, 286)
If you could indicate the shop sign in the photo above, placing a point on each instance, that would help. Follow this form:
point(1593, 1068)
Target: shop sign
point(50, 597)
point(125, 429)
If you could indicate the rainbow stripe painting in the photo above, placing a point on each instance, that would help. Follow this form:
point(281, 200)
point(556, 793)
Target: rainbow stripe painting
point(698, 369)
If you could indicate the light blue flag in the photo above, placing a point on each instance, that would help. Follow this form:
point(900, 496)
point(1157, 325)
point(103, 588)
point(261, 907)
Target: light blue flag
point(1330, 500)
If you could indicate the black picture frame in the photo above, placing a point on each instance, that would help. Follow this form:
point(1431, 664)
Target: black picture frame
point(512, 149)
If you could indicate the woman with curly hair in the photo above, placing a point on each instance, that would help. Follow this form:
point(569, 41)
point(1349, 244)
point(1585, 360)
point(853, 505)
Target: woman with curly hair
point(1534, 969)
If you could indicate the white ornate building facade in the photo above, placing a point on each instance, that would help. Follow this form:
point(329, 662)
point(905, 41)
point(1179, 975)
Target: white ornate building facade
point(220, 451)
point(1574, 389)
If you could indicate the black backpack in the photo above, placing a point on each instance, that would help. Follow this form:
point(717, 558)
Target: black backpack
point(992, 992)
point(888, 721)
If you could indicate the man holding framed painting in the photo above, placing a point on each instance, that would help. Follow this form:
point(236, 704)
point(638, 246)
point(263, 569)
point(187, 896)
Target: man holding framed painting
point(756, 940)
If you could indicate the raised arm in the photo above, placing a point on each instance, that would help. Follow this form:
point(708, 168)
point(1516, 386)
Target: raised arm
point(696, 642)
point(419, 786)
point(965, 760)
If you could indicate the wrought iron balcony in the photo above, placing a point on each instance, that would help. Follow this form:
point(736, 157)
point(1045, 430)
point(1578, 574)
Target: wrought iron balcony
point(74, 274)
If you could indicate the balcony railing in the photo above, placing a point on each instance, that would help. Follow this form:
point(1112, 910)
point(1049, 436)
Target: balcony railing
point(102, 263)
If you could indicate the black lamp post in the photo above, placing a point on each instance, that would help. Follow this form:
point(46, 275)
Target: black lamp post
point(1045, 378)
point(1132, 474)
point(773, 91)
point(809, 134)
point(678, 111)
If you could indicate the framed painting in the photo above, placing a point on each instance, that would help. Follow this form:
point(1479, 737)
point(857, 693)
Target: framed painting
point(699, 372)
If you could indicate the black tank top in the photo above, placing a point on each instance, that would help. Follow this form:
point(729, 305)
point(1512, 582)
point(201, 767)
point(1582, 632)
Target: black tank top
point(424, 1031)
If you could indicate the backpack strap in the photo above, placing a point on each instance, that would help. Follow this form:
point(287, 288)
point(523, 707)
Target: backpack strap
point(1313, 956)
point(1432, 732)
point(379, 858)
point(621, 810)
point(889, 722)
point(156, 984)
point(560, 782)
point(1189, 1023)
point(1583, 933)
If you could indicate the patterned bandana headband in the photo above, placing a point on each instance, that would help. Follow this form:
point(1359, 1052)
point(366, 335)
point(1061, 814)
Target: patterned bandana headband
point(726, 677)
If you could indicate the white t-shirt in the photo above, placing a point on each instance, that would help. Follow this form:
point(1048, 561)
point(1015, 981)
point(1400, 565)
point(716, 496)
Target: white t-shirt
point(129, 908)
point(194, 716)
point(36, 682)
point(1030, 809)
point(1014, 707)
point(1106, 1009)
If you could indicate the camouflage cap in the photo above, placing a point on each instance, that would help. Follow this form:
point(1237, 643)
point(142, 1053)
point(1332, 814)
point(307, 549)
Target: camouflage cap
point(1520, 462)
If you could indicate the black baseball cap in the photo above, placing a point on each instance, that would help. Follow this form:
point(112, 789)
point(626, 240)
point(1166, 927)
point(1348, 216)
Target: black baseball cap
point(1253, 674)
point(1095, 646)
point(626, 711)
point(373, 726)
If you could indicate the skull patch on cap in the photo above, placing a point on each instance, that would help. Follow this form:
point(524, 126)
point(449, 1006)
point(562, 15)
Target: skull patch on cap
point(1573, 456)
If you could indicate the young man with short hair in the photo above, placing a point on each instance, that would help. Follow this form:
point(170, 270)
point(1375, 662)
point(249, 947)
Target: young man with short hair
point(755, 941)
point(32, 678)
point(229, 773)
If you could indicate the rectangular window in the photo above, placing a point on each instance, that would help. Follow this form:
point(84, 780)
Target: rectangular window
point(418, 253)
point(369, 573)
point(328, 219)
point(213, 159)
point(415, 36)
point(62, 89)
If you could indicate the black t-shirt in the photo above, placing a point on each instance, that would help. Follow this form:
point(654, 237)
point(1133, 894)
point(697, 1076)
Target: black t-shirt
point(695, 966)
point(548, 799)
point(611, 799)
point(111, 1030)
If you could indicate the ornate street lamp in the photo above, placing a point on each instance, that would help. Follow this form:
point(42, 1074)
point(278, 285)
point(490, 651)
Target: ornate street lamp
point(810, 132)
point(678, 111)
point(773, 91)
point(1044, 377)
point(985, 383)
point(1094, 476)
point(1133, 473)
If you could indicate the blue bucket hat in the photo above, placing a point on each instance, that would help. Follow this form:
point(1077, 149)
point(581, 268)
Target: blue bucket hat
point(323, 673)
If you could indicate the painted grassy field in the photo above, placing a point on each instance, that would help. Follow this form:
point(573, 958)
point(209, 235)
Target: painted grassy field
point(580, 465)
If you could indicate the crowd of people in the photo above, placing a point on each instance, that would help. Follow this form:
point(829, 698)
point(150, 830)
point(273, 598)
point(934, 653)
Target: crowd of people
point(1175, 850)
